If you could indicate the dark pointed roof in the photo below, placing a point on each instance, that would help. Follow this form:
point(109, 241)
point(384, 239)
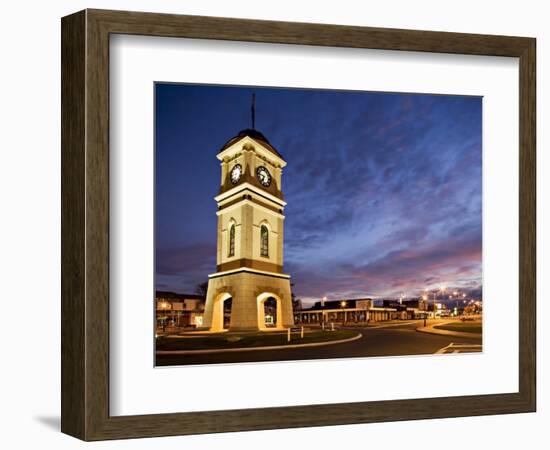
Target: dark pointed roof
point(254, 134)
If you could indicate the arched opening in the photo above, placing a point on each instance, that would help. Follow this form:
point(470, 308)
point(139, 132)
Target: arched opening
point(264, 241)
point(270, 314)
point(231, 243)
point(227, 305)
point(221, 312)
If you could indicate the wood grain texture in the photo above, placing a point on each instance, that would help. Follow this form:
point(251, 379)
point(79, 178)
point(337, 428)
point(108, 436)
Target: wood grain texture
point(85, 224)
point(527, 224)
point(73, 225)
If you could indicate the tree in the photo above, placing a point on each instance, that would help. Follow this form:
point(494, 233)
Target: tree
point(296, 302)
point(202, 288)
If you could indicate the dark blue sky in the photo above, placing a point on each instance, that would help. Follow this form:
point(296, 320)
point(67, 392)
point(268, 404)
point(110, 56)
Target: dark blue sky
point(383, 189)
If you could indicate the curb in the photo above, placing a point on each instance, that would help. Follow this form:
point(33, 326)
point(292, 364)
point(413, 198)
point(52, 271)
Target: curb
point(251, 349)
point(431, 330)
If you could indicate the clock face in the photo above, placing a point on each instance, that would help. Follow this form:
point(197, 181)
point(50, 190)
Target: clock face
point(263, 175)
point(236, 173)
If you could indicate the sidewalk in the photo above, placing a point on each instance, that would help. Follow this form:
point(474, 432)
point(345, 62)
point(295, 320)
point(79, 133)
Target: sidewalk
point(432, 330)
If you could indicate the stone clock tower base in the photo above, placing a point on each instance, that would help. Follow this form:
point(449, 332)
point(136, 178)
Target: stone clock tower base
point(248, 290)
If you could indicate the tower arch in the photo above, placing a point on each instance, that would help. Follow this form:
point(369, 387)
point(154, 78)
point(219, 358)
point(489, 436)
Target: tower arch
point(218, 311)
point(261, 300)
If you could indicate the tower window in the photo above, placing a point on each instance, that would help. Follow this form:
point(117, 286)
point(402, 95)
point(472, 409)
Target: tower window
point(264, 241)
point(232, 240)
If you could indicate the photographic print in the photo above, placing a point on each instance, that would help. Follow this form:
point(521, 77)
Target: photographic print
point(299, 224)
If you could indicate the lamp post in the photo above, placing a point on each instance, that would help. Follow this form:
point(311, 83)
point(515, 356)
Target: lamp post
point(164, 306)
point(323, 300)
point(343, 305)
point(425, 298)
point(400, 315)
point(455, 295)
point(463, 301)
point(442, 290)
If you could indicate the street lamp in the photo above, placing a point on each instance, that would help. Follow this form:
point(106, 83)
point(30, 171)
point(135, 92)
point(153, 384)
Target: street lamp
point(163, 306)
point(425, 298)
point(457, 297)
point(343, 305)
point(323, 300)
point(442, 290)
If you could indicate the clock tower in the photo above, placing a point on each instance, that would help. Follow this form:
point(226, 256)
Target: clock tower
point(249, 238)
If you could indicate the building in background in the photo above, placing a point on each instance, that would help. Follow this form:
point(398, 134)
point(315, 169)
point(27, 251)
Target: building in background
point(178, 310)
point(408, 309)
point(350, 311)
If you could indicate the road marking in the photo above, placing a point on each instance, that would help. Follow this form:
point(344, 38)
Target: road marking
point(459, 348)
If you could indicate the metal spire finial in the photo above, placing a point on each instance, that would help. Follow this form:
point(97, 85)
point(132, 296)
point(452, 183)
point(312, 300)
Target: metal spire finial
point(253, 111)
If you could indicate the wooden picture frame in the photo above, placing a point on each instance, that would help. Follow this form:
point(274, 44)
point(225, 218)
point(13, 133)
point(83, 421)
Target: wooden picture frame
point(85, 224)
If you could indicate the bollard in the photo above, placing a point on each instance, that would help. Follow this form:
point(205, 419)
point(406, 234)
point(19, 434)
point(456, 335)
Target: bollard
point(302, 332)
point(288, 335)
point(323, 326)
point(331, 326)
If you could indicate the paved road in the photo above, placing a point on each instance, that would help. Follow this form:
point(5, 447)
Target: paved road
point(383, 340)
